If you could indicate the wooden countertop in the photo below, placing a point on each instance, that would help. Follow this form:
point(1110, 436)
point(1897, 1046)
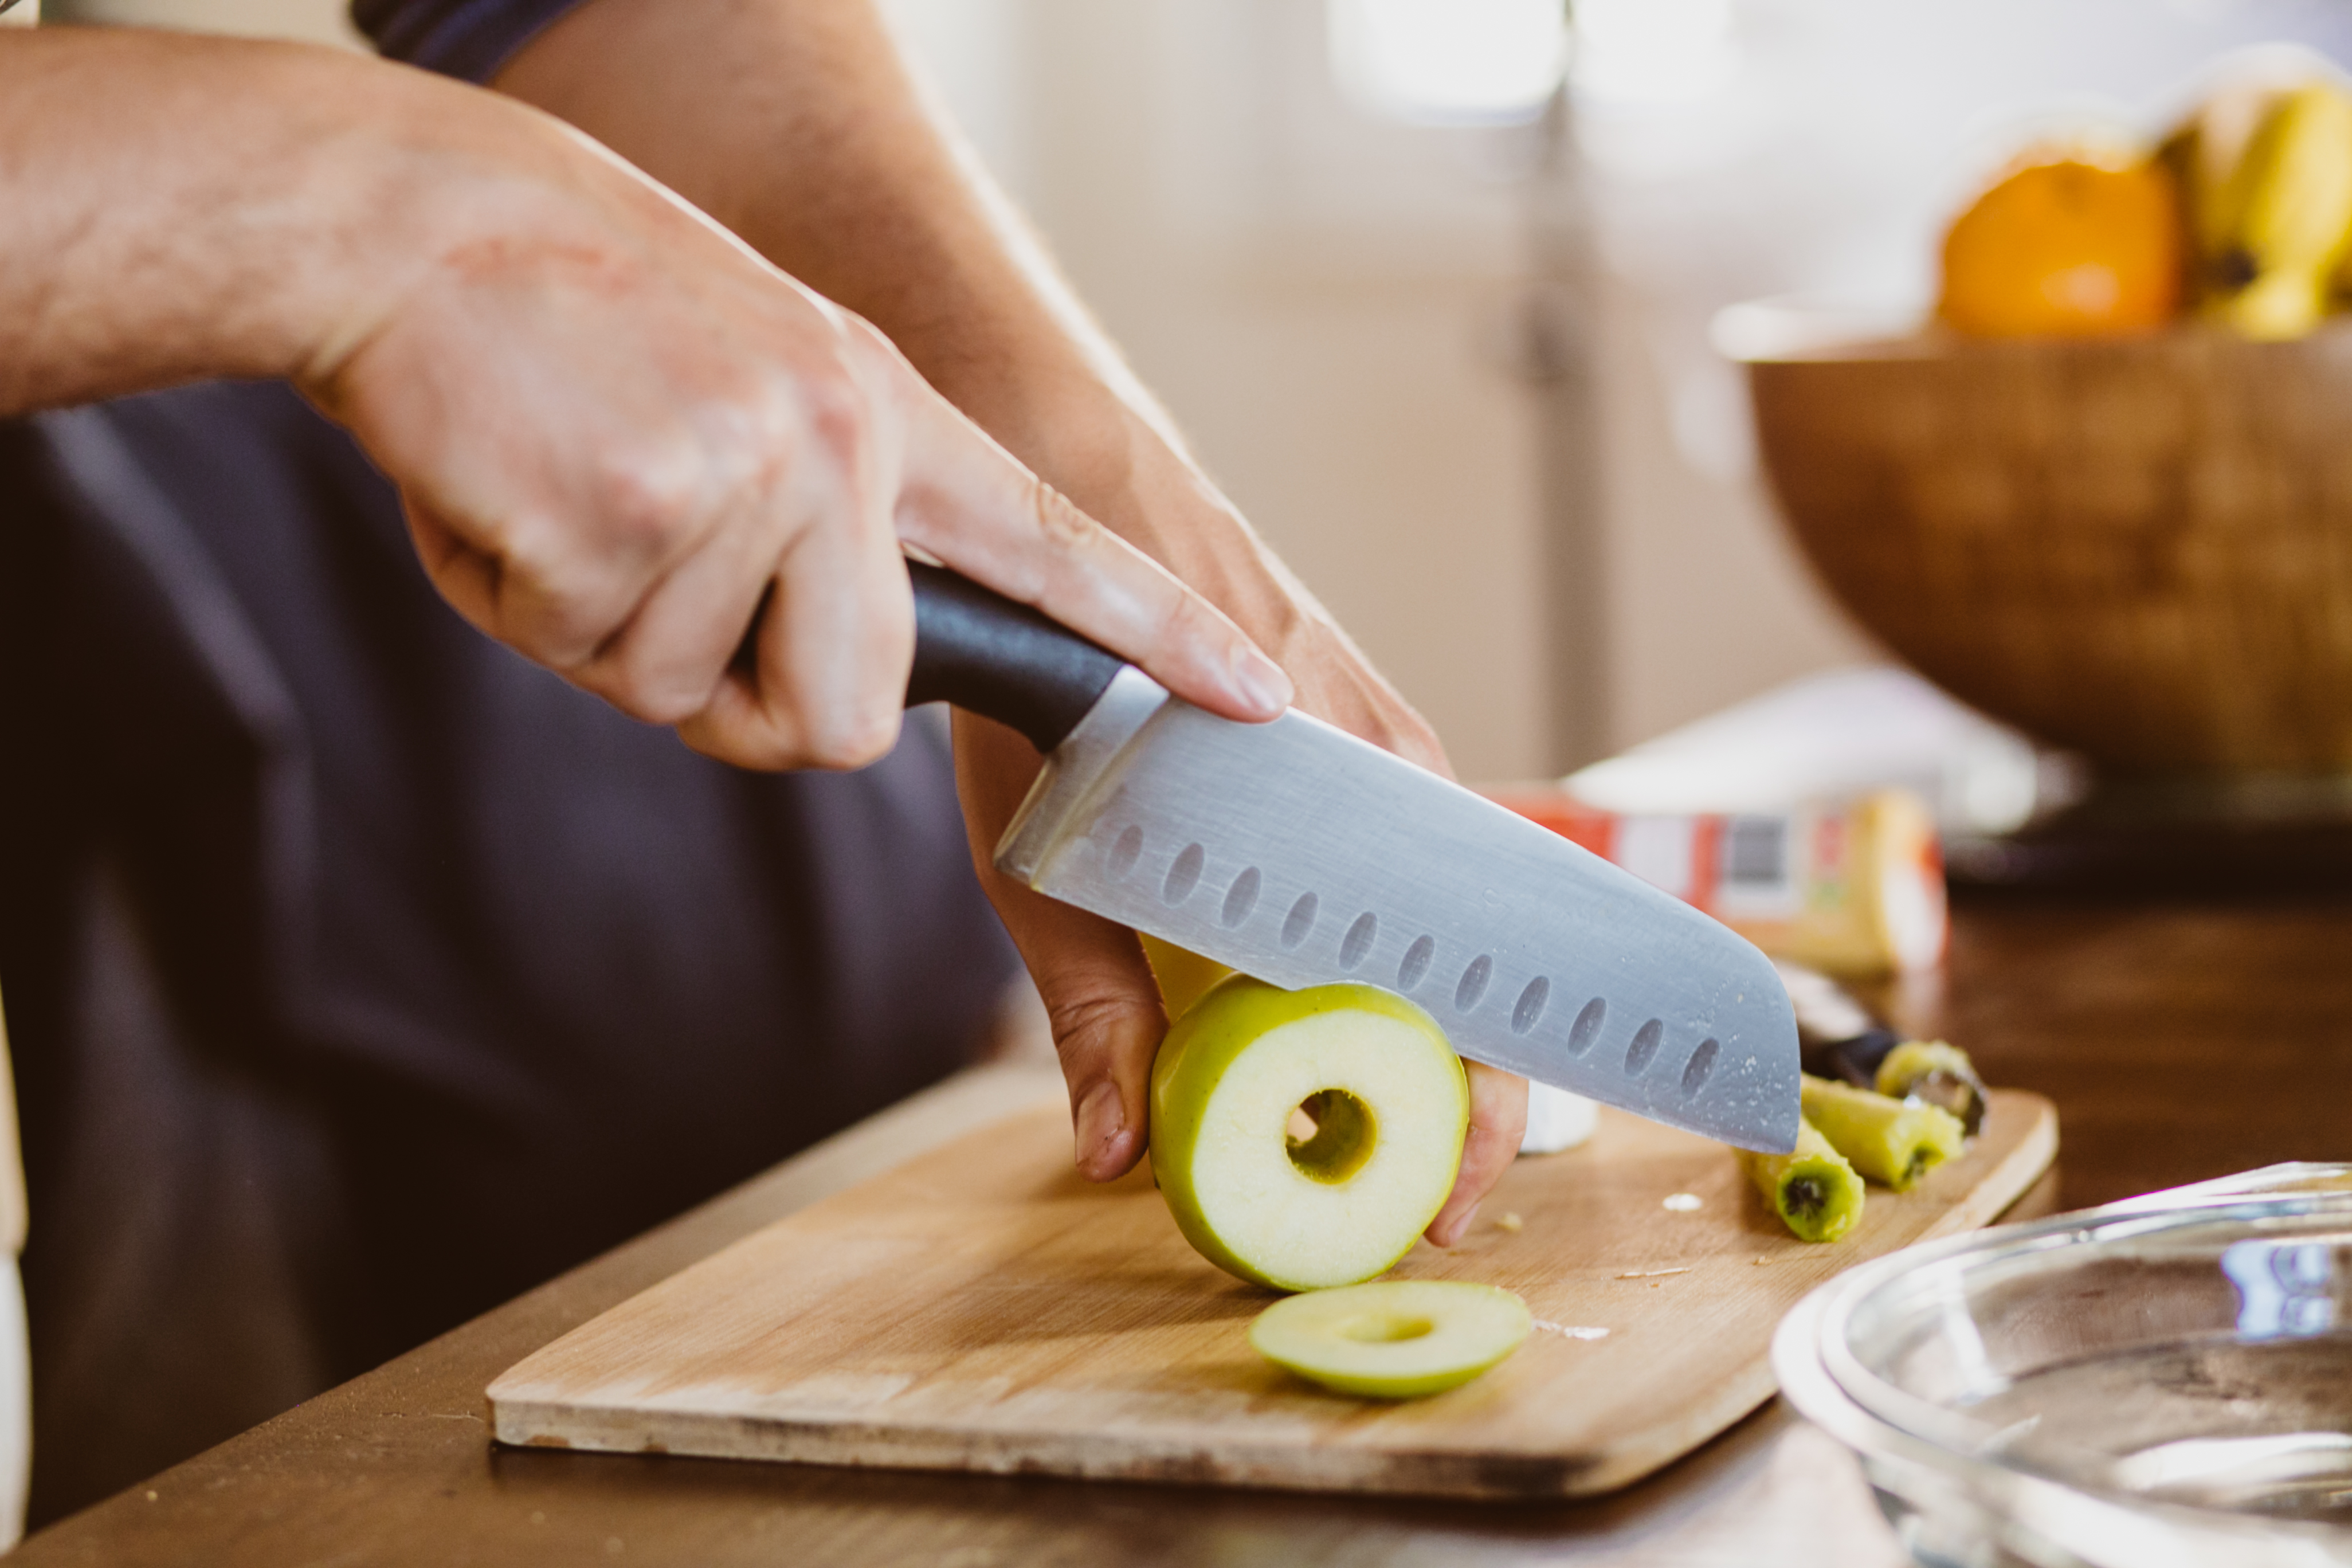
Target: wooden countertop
point(2180, 1040)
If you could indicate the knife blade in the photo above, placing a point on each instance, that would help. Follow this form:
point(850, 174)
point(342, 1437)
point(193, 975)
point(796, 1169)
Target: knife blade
point(1294, 852)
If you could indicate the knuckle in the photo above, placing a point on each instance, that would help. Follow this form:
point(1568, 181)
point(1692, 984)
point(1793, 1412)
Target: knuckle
point(1059, 519)
point(814, 450)
point(546, 604)
point(837, 412)
point(851, 741)
point(653, 492)
point(657, 702)
point(1086, 1020)
point(569, 628)
point(1192, 621)
point(842, 398)
point(639, 692)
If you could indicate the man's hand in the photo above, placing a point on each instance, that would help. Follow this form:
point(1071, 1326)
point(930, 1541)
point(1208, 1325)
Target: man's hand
point(622, 435)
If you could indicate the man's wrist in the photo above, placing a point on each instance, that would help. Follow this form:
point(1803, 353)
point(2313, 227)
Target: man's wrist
point(255, 211)
point(431, 180)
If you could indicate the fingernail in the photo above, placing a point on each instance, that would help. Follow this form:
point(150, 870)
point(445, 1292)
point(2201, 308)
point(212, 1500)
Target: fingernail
point(1101, 1119)
point(1462, 1223)
point(1262, 682)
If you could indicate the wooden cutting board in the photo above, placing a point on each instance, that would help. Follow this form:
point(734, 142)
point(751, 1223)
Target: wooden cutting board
point(981, 1308)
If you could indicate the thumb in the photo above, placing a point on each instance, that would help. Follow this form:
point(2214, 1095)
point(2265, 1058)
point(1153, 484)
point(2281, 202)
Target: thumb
point(1108, 1025)
point(1098, 992)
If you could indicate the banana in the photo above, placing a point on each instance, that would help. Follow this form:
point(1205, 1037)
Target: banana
point(1892, 1142)
point(2207, 149)
point(2265, 168)
point(1813, 1189)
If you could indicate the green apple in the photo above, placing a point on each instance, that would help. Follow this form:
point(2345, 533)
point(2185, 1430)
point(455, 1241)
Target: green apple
point(1302, 1139)
point(1393, 1339)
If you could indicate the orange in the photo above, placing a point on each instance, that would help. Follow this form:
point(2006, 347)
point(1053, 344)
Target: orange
point(2066, 247)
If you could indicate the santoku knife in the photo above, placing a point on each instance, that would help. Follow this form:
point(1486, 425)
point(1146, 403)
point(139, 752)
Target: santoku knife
point(1297, 853)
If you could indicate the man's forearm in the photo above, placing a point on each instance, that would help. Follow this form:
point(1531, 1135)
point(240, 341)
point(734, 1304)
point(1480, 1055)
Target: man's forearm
point(795, 123)
point(173, 208)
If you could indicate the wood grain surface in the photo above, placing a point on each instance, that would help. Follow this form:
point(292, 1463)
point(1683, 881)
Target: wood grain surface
point(983, 1308)
point(2139, 546)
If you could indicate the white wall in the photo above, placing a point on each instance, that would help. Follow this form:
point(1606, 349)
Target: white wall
point(318, 21)
point(1330, 305)
point(1319, 299)
point(1709, 600)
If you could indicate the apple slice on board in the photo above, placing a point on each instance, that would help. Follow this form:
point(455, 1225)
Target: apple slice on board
point(1393, 1339)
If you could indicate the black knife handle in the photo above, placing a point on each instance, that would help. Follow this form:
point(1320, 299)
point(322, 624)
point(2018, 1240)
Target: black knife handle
point(990, 656)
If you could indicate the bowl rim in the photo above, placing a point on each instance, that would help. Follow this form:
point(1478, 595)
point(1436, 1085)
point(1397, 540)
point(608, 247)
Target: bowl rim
point(1820, 329)
point(1782, 327)
point(2081, 1519)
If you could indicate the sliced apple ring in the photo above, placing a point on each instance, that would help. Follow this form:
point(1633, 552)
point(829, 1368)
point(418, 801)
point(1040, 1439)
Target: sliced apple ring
point(1303, 1139)
point(1393, 1339)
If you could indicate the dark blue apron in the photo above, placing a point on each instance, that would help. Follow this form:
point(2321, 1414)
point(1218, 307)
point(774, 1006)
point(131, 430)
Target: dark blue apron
point(361, 974)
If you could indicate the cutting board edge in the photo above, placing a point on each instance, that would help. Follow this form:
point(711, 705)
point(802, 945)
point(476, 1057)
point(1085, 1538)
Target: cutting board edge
point(1214, 1461)
point(2011, 1180)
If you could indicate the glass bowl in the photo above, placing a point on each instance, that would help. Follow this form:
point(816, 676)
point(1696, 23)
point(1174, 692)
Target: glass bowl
point(2166, 1381)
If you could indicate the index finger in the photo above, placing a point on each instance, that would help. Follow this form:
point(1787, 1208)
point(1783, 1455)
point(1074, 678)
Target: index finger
point(969, 502)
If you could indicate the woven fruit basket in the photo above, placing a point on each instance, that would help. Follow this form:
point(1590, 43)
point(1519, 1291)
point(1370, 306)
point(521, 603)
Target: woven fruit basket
point(2140, 547)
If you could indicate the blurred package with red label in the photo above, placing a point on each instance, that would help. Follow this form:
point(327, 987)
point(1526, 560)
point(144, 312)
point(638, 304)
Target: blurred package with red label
point(1855, 888)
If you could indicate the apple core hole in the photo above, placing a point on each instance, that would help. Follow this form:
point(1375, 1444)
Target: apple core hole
point(1386, 1328)
point(1330, 1134)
